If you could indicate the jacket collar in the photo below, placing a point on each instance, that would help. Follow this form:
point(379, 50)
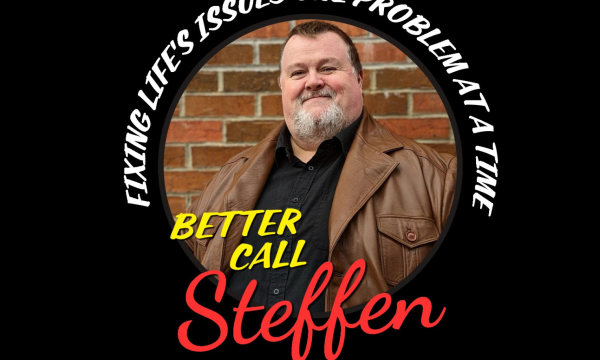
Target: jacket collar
point(377, 136)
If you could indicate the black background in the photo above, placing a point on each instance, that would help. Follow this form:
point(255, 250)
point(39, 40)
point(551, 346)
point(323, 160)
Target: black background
point(472, 274)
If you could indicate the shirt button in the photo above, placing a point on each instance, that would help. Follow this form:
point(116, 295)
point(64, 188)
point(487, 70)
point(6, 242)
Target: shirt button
point(295, 199)
point(276, 291)
point(311, 168)
point(411, 236)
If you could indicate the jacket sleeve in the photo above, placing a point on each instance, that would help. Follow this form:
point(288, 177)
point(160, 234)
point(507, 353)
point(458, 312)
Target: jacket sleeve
point(449, 187)
point(197, 208)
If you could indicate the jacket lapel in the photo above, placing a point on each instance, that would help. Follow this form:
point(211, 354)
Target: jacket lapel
point(246, 188)
point(250, 179)
point(365, 170)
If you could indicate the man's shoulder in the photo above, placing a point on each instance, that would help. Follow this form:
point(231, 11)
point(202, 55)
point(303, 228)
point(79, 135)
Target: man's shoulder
point(253, 160)
point(423, 153)
point(258, 148)
point(239, 156)
point(413, 151)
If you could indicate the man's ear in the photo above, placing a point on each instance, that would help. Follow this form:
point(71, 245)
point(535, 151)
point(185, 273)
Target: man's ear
point(360, 78)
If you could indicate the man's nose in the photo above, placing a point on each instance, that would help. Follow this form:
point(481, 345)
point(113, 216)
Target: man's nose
point(314, 81)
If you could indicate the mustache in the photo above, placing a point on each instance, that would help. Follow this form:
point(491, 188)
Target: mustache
point(313, 94)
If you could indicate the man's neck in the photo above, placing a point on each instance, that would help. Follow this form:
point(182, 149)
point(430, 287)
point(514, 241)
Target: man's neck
point(304, 151)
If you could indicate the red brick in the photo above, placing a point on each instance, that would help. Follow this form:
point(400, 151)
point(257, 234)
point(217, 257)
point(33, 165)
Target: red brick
point(366, 79)
point(271, 105)
point(194, 131)
point(443, 148)
point(233, 54)
point(203, 82)
point(176, 112)
point(174, 156)
point(390, 104)
point(250, 81)
point(176, 204)
point(279, 30)
point(270, 53)
point(379, 52)
point(429, 128)
point(248, 131)
point(206, 156)
point(427, 103)
point(186, 181)
point(348, 29)
point(400, 79)
point(219, 105)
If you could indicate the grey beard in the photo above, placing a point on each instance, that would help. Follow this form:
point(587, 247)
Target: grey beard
point(324, 126)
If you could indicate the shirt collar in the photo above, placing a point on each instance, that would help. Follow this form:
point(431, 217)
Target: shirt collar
point(344, 137)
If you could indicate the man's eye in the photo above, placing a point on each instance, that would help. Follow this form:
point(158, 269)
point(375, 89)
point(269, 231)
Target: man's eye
point(296, 73)
point(328, 69)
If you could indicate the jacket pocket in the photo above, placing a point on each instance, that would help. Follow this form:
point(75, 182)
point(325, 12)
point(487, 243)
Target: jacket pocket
point(403, 243)
point(216, 222)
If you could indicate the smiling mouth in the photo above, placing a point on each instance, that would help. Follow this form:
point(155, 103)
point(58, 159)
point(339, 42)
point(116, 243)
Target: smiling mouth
point(315, 97)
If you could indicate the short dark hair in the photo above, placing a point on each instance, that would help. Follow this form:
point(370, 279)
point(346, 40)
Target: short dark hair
point(313, 28)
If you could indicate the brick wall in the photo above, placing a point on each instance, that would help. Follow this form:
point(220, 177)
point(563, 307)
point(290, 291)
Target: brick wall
point(234, 101)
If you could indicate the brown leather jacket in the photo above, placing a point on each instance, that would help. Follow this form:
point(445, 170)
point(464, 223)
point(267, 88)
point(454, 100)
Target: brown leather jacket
point(391, 203)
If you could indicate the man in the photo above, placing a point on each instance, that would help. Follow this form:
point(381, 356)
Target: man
point(363, 193)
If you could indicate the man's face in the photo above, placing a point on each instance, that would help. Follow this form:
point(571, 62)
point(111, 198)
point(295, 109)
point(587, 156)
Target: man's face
point(321, 94)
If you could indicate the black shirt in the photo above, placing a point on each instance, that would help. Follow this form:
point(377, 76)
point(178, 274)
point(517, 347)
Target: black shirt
point(308, 187)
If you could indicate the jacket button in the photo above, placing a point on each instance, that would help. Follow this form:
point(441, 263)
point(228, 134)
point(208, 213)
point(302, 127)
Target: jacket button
point(411, 236)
